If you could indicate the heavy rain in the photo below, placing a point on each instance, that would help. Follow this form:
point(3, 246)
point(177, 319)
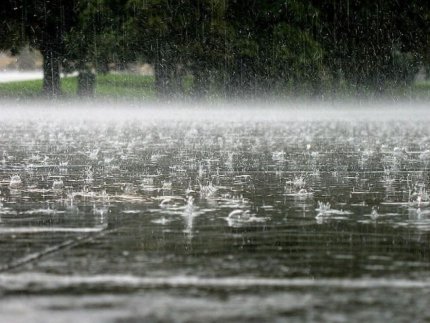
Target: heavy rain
point(214, 160)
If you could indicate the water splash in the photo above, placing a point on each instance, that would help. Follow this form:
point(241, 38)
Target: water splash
point(15, 182)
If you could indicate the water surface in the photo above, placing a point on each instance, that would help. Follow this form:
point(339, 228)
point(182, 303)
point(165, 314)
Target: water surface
point(282, 213)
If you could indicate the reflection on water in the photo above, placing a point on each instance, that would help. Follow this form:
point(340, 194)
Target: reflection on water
point(138, 204)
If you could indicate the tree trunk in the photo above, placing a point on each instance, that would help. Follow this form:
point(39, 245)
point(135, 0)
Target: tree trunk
point(86, 84)
point(201, 82)
point(163, 80)
point(51, 72)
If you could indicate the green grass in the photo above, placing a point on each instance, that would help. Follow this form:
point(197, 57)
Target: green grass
point(131, 86)
point(125, 85)
point(108, 86)
point(26, 89)
point(422, 89)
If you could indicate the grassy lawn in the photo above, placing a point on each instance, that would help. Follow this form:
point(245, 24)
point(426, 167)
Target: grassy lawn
point(131, 86)
point(422, 89)
point(108, 86)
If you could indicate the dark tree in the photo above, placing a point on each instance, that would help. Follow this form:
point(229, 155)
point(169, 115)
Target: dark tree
point(178, 38)
point(274, 46)
point(157, 27)
point(233, 47)
point(43, 25)
point(98, 41)
point(372, 45)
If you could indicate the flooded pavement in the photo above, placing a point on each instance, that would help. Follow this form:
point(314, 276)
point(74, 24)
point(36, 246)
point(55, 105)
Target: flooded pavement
point(286, 215)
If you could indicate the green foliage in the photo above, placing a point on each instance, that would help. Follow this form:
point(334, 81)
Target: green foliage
point(230, 47)
point(273, 46)
point(99, 38)
point(39, 23)
point(374, 44)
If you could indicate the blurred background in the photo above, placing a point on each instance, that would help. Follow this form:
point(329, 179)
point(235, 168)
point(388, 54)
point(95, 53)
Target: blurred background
point(208, 49)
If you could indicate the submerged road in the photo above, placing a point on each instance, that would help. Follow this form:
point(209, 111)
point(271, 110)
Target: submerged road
point(162, 217)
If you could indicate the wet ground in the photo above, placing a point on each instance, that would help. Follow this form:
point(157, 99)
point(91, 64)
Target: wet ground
point(205, 215)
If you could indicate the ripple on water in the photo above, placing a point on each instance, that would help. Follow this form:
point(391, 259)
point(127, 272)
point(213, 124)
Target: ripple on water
point(186, 199)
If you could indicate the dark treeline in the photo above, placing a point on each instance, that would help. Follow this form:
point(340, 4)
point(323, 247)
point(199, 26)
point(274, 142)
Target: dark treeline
point(232, 48)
